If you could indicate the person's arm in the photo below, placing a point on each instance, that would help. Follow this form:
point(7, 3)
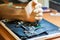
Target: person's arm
point(12, 13)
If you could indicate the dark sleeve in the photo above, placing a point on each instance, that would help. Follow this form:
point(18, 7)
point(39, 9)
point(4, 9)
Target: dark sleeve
point(16, 1)
point(1, 2)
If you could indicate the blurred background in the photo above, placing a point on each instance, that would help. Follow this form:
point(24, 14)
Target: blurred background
point(55, 4)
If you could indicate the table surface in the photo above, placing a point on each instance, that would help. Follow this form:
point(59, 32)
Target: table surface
point(5, 34)
point(53, 19)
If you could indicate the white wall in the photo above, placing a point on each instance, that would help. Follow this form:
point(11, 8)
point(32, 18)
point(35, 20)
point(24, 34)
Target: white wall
point(44, 2)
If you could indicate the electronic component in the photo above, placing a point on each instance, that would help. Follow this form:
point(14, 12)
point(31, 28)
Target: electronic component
point(27, 30)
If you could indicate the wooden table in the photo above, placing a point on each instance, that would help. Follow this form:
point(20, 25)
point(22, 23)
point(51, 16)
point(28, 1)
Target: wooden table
point(5, 34)
point(53, 19)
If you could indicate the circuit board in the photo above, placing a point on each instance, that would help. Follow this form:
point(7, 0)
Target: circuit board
point(27, 30)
